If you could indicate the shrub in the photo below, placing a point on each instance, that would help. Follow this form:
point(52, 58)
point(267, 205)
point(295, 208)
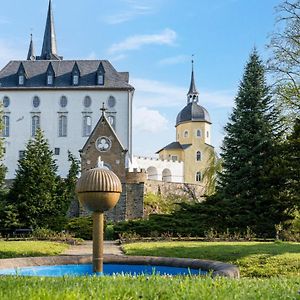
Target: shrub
point(45, 234)
point(81, 227)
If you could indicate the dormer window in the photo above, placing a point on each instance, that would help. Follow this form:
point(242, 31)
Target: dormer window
point(100, 75)
point(49, 79)
point(21, 79)
point(100, 79)
point(75, 79)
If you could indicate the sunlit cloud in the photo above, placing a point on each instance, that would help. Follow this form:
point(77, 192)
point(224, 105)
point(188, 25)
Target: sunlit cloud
point(166, 37)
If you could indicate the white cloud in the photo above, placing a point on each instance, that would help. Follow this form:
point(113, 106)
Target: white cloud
point(174, 60)
point(134, 9)
point(118, 58)
point(166, 37)
point(8, 52)
point(153, 93)
point(148, 120)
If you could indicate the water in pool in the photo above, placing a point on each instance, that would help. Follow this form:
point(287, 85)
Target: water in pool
point(108, 269)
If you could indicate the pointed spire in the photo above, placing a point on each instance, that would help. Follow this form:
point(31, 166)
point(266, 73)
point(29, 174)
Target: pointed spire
point(30, 55)
point(49, 50)
point(192, 93)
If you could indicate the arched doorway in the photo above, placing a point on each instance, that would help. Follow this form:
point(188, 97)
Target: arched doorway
point(166, 175)
point(152, 173)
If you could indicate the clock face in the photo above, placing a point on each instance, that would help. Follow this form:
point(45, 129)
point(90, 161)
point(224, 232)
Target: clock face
point(103, 143)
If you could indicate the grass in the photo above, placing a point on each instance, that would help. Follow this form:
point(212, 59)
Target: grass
point(153, 287)
point(255, 259)
point(30, 248)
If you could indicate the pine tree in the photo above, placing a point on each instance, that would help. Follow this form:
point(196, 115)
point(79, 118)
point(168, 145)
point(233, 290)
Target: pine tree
point(34, 191)
point(248, 152)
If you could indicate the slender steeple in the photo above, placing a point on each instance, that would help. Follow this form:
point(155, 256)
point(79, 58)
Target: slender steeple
point(192, 95)
point(30, 55)
point(49, 50)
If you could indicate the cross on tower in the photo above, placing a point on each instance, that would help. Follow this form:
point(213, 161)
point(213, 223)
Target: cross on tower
point(103, 109)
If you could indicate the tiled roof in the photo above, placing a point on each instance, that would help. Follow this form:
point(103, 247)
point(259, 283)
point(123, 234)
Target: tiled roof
point(36, 74)
point(175, 146)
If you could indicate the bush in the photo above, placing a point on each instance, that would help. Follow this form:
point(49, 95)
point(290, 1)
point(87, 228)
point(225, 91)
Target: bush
point(81, 227)
point(45, 234)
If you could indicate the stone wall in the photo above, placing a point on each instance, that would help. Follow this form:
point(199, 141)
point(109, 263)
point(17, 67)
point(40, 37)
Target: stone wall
point(180, 189)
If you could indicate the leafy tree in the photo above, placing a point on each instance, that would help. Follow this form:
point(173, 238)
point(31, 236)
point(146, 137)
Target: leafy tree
point(35, 188)
point(248, 153)
point(285, 59)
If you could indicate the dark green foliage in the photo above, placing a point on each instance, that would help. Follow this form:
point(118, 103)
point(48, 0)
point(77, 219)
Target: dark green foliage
point(80, 227)
point(37, 191)
point(249, 183)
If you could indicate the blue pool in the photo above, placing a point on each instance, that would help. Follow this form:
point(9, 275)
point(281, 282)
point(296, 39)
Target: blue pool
point(108, 269)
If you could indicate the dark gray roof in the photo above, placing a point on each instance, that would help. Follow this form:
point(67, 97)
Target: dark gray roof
point(31, 55)
point(175, 146)
point(193, 112)
point(193, 89)
point(36, 73)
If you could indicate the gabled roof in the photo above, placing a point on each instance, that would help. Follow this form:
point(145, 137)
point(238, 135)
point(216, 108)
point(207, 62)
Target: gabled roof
point(36, 74)
point(175, 146)
point(102, 120)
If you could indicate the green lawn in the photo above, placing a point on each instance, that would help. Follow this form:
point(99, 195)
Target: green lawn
point(153, 287)
point(30, 248)
point(255, 259)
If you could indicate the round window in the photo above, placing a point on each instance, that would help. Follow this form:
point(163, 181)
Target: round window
point(63, 101)
point(6, 101)
point(36, 101)
point(111, 101)
point(87, 102)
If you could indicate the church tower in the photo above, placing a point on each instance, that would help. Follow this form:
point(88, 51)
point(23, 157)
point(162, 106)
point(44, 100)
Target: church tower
point(193, 137)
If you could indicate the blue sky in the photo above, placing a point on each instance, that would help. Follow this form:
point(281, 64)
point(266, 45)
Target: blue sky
point(154, 41)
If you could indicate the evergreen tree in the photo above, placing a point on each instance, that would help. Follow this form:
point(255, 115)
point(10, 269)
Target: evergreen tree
point(34, 191)
point(248, 152)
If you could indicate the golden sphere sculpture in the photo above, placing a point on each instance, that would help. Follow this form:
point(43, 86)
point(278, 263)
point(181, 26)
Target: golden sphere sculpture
point(98, 190)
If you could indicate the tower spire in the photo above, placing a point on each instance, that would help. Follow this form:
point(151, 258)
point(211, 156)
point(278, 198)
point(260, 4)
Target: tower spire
point(49, 50)
point(30, 55)
point(192, 95)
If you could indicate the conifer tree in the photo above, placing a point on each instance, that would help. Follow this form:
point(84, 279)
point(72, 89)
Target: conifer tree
point(34, 191)
point(245, 185)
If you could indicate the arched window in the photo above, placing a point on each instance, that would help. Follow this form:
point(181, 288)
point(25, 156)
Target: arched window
point(6, 101)
point(35, 124)
point(87, 125)
point(198, 156)
point(62, 126)
point(186, 134)
point(63, 102)
point(87, 101)
point(198, 176)
point(5, 132)
point(36, 101)
point(198, 133)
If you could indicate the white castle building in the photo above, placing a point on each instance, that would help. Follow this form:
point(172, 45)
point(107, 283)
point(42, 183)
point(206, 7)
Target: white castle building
point(63, 98)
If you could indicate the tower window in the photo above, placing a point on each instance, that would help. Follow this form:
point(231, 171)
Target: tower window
point(198, 176)
point(198, 133)
point(198, 156)
point(62, 126)
point(87, 125)
point(186, 134)
point(5, 132)
point(35, 124)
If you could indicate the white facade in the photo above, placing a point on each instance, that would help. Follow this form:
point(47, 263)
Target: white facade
point(157, 169)
point(21, 110)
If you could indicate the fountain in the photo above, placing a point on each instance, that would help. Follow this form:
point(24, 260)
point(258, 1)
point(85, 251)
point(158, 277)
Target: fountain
point(98, 190)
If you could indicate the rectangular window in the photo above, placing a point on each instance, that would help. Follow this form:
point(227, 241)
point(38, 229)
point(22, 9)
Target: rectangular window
point(75, 79)
point(56, 151)
point(5, 130)
point(100, 79)
point(21, 154)
point(21, 79)
point(87, 125)
point(62, 126)
point(49, 79)
point(35, 124)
